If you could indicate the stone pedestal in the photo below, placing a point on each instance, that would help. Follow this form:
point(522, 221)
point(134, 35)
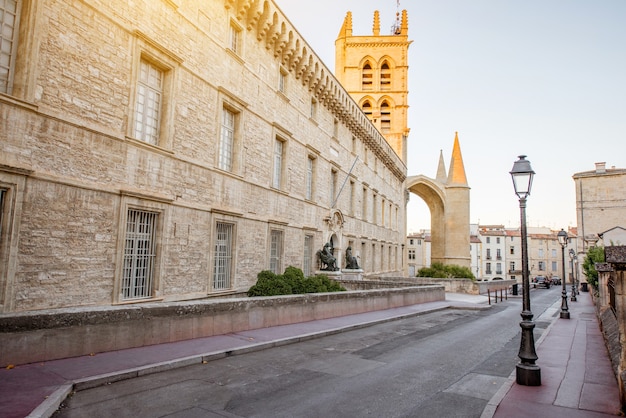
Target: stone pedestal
point(352, 274)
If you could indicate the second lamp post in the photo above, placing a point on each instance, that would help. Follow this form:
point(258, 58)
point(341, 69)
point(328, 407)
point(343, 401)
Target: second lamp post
point(562, 237)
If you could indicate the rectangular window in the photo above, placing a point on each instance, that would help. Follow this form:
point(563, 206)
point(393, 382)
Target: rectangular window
point(498, 254)
point(512, 250)
point(554, 266)
point(333, 187)
point(411, 254)
point(540, 252)
point(498, 268)
point(278, 163)
point(364, 204)
point(148, 106)
point(139, 254)
point(307, 262)
point(352, 197)
point(542, 266)
point(9, 22)
point(282, 81)
point(488, 268)
point(227, 140)
point(223, 255)
point(276, 251)
point(235, 39)
point(488, 240)
point(512, 266)
point(497, 240)
point(488, 253)
point(313, 108)
point(336, 128)
point(553, 253)
point(309, 178)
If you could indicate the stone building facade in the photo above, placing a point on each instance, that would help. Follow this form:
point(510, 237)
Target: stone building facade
point(170, 150)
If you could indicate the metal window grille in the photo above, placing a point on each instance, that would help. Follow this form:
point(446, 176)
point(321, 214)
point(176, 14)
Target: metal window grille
point(278, 163)
point(276, 251)
point(309, 178)
point(308, 255)
point(222, 259)
point(227, 140)
point(139, 254)
point(9, 22)
point(148, 108)
point(235, 36)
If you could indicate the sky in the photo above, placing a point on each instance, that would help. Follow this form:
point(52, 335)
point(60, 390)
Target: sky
point(542, 78)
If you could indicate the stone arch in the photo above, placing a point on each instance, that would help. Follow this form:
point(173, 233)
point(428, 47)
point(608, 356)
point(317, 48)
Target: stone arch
point(449, 213)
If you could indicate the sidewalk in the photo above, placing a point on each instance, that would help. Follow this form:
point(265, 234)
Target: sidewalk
point(577, 380)
point(576, 375)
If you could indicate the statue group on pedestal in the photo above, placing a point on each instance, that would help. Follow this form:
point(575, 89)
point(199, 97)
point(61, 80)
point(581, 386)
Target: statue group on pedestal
point(329, 262)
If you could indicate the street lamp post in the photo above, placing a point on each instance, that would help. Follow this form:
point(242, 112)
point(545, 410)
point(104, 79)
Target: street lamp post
point(527, 372)
point(572, 255)
point(562, 237)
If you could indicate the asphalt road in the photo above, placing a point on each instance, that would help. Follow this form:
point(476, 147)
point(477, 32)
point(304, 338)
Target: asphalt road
point(443, 364)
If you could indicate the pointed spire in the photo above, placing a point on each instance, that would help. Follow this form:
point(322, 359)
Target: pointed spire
point(404, 28)
point(456, 175)
point(346, 28)
point(441, 169)
point(376, 23)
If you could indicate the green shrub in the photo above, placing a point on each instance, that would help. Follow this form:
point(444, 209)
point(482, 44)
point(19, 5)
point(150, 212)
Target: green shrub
point(447, 271)
point(292, 281)
point(594, 255)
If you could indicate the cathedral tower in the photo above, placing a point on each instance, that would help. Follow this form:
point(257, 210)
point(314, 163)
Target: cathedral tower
point(374, 71)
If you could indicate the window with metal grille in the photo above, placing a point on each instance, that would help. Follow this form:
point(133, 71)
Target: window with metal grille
point(235, 39)
point(309, 178)
point(148, 107)
point(307, 263)
point(222, 258)
point(278, 163)
point(9, 22)
point(276, 251)
point(227, 140)
point(385, 117)
point(139, 254)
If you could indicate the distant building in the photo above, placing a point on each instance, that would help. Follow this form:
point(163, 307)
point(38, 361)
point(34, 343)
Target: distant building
point(600, 207)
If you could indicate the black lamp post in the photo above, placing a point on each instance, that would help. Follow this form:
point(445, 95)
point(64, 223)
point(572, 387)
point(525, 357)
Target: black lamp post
point(562, 237)
point(527, 372)
point(572, 255)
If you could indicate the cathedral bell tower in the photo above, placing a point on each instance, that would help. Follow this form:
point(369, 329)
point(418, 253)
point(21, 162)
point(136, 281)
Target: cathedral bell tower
point(373, 70)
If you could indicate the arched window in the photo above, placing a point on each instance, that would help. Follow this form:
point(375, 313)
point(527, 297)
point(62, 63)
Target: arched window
point(385, 76)
point(366, 77)
point(367, 109)
point(385, 117)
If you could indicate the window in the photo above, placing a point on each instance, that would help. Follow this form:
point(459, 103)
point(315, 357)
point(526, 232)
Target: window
point(313, 108)
point(553, 253)
point(411, 242)
point(279, 150)
point(309, 177)
point(282, 81)
point(488, 253)
point(487, 268)
point(223, 256)
point(541, 265)
point(367, 109)
point(234, 41)
point(385, 77)
point(374, 206)
point(497, 240)
point(333, 187)
point(9, 26)
point(148, 105)
point(498, 268)
point(307, 261)
point(364, 203)
point(411, 254)
point(540, 252)
point(554, 266)
point(139, 254)
point(488, 240)
point(385, 117)
point(512, 250)
point(335, 129)
point(366, 77)
point(498, 254)
point(512, 266)
point(276, 251)
point(351, 208)
point(227, 140)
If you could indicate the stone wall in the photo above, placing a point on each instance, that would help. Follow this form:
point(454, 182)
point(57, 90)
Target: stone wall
point(59, 333)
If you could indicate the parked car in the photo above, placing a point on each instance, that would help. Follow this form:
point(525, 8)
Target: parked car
point(556, 280)
point(541, 281)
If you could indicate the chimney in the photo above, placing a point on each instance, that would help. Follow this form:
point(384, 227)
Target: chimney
point(601, 168)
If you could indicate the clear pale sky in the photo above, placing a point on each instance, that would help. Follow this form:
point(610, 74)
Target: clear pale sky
point(544, 78)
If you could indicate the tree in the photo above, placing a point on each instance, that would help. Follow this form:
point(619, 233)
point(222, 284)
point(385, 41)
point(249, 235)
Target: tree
point(594, 255)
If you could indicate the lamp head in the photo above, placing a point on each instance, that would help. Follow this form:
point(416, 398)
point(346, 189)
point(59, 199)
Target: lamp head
point(562, 237)
point(522, 174)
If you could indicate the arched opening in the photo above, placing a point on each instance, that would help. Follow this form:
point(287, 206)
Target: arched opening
point(385, 76)
point(385, 117)
point(367, 78)
point(367, 109)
